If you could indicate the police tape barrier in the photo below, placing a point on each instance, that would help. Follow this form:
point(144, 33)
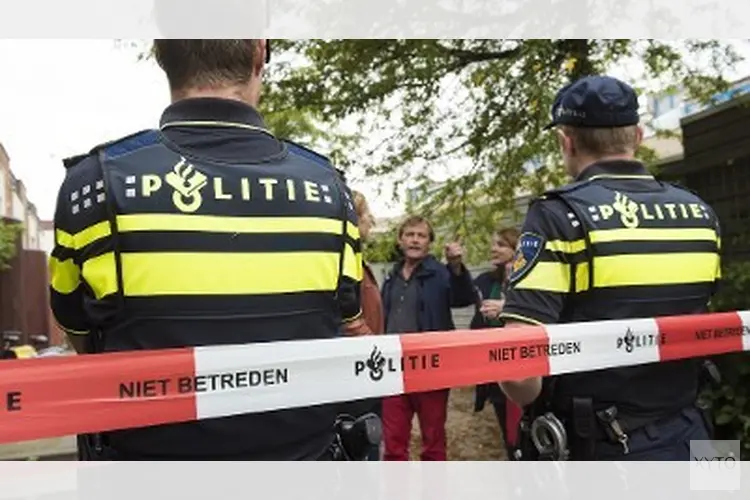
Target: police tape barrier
point(41, 398)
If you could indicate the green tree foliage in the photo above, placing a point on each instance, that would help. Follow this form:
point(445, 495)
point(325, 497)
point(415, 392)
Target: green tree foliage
point(9, 232)
point(381, 248)
point(470, 111)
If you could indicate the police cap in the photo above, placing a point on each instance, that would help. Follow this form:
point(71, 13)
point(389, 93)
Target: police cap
point(595, 101)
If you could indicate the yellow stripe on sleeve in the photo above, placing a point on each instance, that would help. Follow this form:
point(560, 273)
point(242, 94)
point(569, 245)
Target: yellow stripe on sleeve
point(353, 267)
point(546, 277)
point(65, 276)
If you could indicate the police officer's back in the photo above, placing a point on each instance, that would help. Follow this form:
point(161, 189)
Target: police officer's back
point(614, 244)
point(208, 231)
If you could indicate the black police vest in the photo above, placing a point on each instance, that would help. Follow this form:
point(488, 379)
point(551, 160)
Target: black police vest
point(220, 212)
point(628, 228)
point(172, 215)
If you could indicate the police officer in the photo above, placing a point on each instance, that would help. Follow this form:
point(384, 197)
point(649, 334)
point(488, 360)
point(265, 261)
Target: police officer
point(613, 244)
point(207, 231)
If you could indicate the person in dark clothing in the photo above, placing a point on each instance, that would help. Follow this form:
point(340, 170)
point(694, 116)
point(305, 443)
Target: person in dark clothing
point(611, 246)
point(193, 229)
point(490, 288)
point(418, 295)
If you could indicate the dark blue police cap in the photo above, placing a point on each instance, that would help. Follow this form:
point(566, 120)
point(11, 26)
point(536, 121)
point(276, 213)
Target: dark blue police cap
point(595, 101)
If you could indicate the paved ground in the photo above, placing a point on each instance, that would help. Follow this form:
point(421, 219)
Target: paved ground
point(38, 449)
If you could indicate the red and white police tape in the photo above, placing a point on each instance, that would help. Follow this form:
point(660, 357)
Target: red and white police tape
point(41, 398)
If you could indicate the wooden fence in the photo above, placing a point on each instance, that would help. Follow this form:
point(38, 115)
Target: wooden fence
point(24, 295)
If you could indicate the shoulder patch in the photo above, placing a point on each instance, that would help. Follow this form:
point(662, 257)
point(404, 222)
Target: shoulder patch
point(528, 251)
point(681, 187)
point(127, 144)
point(567, 188)
point(308, 153)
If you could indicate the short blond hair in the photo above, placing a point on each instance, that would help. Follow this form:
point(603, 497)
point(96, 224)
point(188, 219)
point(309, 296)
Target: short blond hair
point(604, 141)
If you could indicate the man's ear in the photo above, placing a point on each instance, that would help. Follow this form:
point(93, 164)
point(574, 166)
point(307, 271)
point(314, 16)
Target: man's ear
point(260, 53)
point(638, 136)
point(565, 142)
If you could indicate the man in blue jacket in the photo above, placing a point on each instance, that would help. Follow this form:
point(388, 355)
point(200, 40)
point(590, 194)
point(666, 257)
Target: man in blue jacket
point(418, 295)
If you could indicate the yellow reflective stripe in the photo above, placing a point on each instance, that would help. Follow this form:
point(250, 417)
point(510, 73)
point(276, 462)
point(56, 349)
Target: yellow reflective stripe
point(353, 231)
point(64, 239)
point(566, 246)
point(100, 274)
point(221, 224)
point(205, 223)
point(718, 263)
point(654, 269)
point(75, 332)
point(546, 277)
point(613, 176)
point(352, 264)
point(520, 318)
point(637, 234)
point(64, 275)
point(213, 123)
point(154, 274)
point(653, 234)
point(582, 277)
point(82, 238)
point(625, 270)
point(353, 318)
point(71, 331)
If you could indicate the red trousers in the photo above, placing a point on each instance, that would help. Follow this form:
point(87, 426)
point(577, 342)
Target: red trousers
point(398, 411)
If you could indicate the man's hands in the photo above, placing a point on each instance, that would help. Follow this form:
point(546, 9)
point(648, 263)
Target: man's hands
point(491, 309)
point(454, 254)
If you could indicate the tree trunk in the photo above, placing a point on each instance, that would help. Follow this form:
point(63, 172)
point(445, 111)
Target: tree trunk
point(580, 51)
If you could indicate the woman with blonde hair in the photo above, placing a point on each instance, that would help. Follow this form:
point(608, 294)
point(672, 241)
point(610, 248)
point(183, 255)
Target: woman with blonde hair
point(372, 305)
point(490, 287)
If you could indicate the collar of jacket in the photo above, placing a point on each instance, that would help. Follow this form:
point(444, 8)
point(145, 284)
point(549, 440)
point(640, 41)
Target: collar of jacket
point(427, 267)
point(615, 169)
point(214, 111)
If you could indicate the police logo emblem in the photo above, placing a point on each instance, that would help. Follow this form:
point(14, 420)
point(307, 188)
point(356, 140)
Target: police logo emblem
point(187, 183)
point(528, 251)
